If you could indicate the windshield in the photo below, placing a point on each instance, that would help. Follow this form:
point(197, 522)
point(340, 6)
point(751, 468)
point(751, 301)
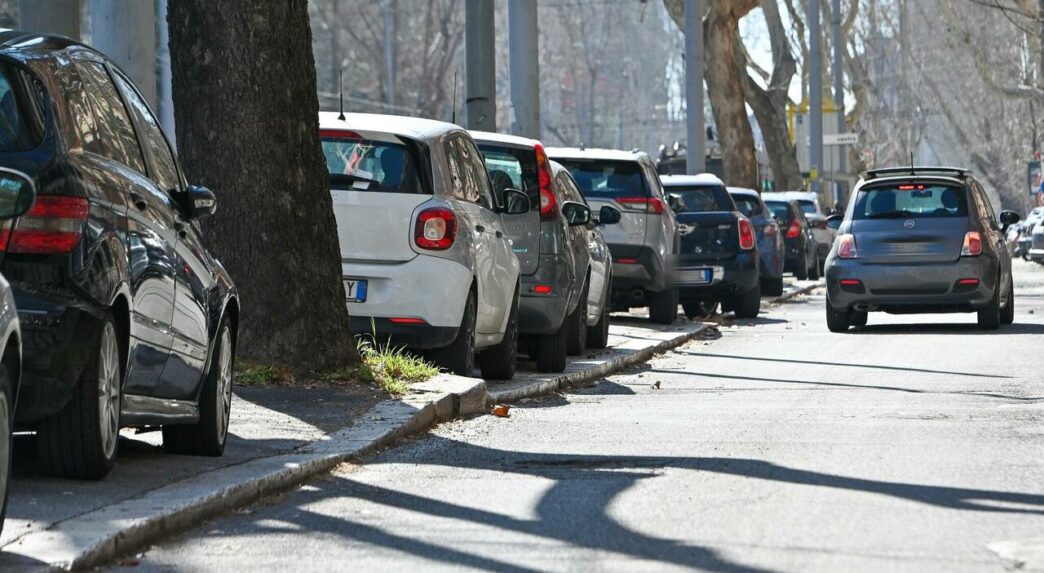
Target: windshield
point(357, 164)
point(599, 179)
point(809, 207)
point(702, 198)
point(780, 210)
point(747, 205)
point(915, 201)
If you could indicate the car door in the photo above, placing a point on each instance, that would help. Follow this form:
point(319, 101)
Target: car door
point(577, 234)
point(992, 230)
point(193, 277)
point(592, 247)
point(150, 237)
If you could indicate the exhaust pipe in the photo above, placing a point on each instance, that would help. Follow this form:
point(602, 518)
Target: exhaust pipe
point(638, 294)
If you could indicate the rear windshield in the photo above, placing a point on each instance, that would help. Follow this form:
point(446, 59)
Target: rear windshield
point(701, 198)
point(511, 167)
point(376, 166)
point(809, 207)
point(747, 205)
point(607, 179)
point(21, 111)
point(780, 210)
point(914, 201)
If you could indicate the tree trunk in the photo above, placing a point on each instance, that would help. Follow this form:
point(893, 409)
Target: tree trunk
point(247, 124)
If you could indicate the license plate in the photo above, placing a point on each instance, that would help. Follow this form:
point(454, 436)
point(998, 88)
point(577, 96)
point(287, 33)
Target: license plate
point(355, 290)
point(695, 276)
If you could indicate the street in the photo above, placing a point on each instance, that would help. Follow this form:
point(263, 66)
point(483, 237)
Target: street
point(910, 445)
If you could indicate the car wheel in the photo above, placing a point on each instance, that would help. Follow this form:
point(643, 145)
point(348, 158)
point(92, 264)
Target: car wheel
point(81, 440)
point(858, 318)
point(813, 273)
point(1008, 312)
point(576, 336)
point(498, 362)
point(663, 306)
point(598, 335)
point(549, 351)
point(801, 272)
point(772, 287)
point(989, 316)
point(207, 437)
point(748, 304)
point(6, 436)
point(459, 357)
point(837, 320)
point(699, 308)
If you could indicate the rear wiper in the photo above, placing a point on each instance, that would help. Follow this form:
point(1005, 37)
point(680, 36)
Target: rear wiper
point(890, 215)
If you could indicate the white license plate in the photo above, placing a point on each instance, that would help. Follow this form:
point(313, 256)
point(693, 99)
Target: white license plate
point(355, 290)
point(695, 276)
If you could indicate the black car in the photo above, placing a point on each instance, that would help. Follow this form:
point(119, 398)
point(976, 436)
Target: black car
point(127, 319)
point(802, 253)
point(718, 259)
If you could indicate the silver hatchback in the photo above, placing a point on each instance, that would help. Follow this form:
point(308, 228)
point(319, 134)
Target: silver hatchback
point(919, 240)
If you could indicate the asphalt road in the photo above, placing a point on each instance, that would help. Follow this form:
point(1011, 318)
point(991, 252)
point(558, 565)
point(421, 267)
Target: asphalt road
point(910, 445)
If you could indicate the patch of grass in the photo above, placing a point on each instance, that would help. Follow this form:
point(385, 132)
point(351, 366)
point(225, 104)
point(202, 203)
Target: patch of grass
point(250, 374)
point(391, 368)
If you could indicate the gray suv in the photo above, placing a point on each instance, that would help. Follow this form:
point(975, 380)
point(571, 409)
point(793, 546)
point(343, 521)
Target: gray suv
point(919, 240)
point(645, 242)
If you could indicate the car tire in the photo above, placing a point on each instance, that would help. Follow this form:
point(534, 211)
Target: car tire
point(459, 357)
point(598, 335)
point(549, 351)
point(748, 304)
point(772, 287)
point(989, 317)
point(498, 362)
point(208, 436)
point(7, 402)
point(801, 272)
point(576, 335)
point(837, 320)
point(813, 273)
point(1007, 314)
point(663, 306)
point(81, 440)
point(699, 308)
point(858, 318)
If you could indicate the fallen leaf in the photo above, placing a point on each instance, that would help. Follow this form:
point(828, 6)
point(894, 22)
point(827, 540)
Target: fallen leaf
point(656, 385)
point(501, 410)
point(128, 561)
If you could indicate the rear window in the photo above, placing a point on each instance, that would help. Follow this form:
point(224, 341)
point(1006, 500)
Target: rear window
point(21, 111)
point(747, 205)
point(913, 201)
point(780, 210)
point(511, 167)
point(809, 207)
point(357, 164)
point(607, 179)
point(701, 198)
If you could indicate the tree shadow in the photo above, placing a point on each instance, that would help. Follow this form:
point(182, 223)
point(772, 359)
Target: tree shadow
point(842, 364)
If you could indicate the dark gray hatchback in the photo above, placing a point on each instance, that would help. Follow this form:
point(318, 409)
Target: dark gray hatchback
point(919, 240)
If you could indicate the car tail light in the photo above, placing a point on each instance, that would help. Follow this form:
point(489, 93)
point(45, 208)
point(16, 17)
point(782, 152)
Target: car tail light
point(436, 229)
point(643, 204)
point(53, 226)
point(850, 282)
point(968, 282)
point(794, 230)
point(770, 229)
point(746, 235)
point(406, 320)
point(846, 247)
point(548, 206)
point(543, 289)
point(972, 245)
point(627, 261)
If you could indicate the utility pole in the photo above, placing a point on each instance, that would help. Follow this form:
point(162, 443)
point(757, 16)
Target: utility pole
point(126, 32)
point(164, 87)
point(815, 96)
point(839, 84)
point(480, 66)
point(388, 21)
point(523, 57)
point(50, 16)
point(696, 152)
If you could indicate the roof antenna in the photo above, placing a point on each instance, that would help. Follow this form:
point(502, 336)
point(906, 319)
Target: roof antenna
point(912, 168)
point(340, 80)
point(454, 120)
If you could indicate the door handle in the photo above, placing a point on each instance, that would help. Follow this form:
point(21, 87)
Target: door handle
point(480, 229)
point(138, 201)
point(180, 228)
point(500, 235)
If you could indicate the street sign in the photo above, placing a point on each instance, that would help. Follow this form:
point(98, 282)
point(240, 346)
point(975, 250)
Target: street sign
point(1035, 177)
point(841, 139)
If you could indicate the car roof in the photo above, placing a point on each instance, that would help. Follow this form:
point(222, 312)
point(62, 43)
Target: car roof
point(743, 191)
point(411, 127)
point(879, 181)
point(504, 138)
point(606, 154)
point(23, 46)
point(701, 179)
point(796, 195)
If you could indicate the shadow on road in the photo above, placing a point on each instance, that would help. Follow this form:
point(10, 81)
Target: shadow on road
point(949, 328)
point(842, 364)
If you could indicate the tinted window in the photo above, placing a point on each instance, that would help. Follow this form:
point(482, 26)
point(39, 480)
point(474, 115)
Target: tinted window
point(607, 179)
point(780, 210)
point(164, 171)
point(362, 165)
point(911, 202)
point(747, 205)
point(115, 130)
point(809, 207)
point(511, 167)
point(21, 110)
point(702, 198)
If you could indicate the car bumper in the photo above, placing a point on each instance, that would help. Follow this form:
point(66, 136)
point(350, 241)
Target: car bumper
point(419, 336)
point(912, 288)
point(430, 289)
point(645, 270)
point(1036, 255)
point(729, 277)
point(544, 313)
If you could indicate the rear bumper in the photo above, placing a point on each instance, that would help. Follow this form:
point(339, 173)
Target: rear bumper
point(1036, 255)
point(544, 313)
point(419, 336)
point(730, 277)
point(912, 288)
point(648, 273)
point(432, 289)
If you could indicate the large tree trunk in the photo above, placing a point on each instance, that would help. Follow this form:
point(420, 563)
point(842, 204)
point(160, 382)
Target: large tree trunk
point(247, 125)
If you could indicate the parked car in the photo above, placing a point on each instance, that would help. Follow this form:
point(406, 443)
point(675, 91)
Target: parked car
point(802, 252)
point(816, 215)
point(1027, 227)
point(127, 319)
point(916, 241)
point(766, 231)
point(1036, 250)
point(718, 260)
point(646, 238)
point(426, 255)
point(16, 196)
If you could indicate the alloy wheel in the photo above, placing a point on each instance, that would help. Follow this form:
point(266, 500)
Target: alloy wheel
point(109, 391)
point(224, 383)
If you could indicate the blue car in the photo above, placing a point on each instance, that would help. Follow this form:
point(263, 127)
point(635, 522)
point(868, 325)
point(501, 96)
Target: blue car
point(770, 241)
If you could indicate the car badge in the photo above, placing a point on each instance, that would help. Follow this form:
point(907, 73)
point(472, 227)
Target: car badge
point(909, 224)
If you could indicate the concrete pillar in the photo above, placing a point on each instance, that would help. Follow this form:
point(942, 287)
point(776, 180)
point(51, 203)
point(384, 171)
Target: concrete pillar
point(51, 16)
point(696, 152)
point(164, 87)
point(815, 95)
point(126, 32)
point(480, 90)
point(523, 57)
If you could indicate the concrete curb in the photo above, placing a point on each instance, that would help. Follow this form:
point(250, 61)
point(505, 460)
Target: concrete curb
point(797, 292)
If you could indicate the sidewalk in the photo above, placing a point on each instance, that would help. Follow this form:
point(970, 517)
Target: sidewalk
point(279, 437)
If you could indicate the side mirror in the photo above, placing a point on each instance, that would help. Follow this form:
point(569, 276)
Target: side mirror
point(201, 202)
point(834, 221)
point(576, 214)
point(1009, 218)
point(515, 202)
point(17, 193)
point(675, 202)
point(608, 215)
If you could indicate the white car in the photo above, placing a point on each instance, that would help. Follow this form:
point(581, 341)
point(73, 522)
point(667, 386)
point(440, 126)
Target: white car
point(427, 262)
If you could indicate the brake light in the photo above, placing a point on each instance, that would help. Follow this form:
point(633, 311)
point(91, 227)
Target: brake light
point(543, 289)
point(627, 261)
point(644, 204)
point(548, 206)
point(846, 247)
point(436, 229)
point(338, 134)
point(794, 230)
point(406, 320)
point(53, 226)
point(968, 282)
point(746, 235)
point(972, 245)
point(849, 282)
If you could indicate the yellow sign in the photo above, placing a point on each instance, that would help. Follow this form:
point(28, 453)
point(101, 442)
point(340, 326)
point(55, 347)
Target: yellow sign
point(813, 174)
